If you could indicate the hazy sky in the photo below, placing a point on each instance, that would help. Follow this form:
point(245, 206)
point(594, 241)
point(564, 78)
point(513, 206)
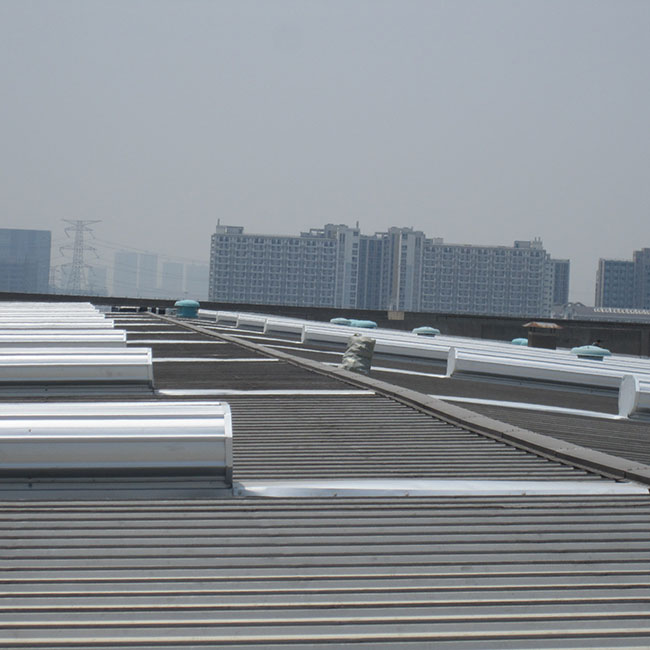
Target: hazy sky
point(478, 121)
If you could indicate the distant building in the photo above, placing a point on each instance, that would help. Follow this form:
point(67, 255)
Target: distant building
point(97, 281)
point(578, 311)
point(400, 269)
point(369, 282)
point(274, 269)
point(642, 278)
point(561, 270)
point(416, 273)
point(504, 280)
point(25, 260)
point(125, 274)
point(171, 284)
point(147, 275)
point(624, 284)
point(403, 259)
point(196, 281)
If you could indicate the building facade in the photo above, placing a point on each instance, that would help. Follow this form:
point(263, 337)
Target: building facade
point(615, 284)
point(561, 272)
point(319, 267)
point(25, 260)
point(147, 275)
point(509, 281)
point(624, 284)
point(400, 269)
point(125, 273)
point(641, 261)
point(171, 284)
point(98, 280)
point(196, 281)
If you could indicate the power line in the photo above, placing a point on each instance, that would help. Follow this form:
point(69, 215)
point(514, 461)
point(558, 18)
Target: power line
point(104, 243)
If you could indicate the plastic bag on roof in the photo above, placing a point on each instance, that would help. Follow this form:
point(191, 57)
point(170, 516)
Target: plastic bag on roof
point(358, 355)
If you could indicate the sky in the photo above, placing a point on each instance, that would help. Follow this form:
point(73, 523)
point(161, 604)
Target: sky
point(479, 121)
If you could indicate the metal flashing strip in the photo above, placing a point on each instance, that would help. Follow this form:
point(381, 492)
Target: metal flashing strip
point(145, 323)
point(416, 373)
point(540, 445)
point(248, 334)
point(300, 348)
point(529, 407)
point(155, 332)
point(396, 371)
point(211, 360)
point(172, 342)
point(180, 392)
point(429, 488)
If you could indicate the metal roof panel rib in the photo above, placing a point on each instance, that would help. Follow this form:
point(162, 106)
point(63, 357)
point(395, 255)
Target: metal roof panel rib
point(515, 572)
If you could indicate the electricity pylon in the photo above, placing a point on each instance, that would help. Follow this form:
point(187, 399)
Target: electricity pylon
point(76, 280)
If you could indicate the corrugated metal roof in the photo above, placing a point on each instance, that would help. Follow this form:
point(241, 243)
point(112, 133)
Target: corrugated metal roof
point(452, 573)
point(457, 573)
point(331, 437)
point(625, 438)
point(321, 437)
point(432, 407)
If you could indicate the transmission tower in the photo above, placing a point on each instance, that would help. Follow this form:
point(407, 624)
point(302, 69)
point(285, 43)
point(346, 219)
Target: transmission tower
point(76, 280)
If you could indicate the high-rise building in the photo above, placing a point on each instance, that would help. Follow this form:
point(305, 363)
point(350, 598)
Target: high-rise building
point(196, 281)
point(615, 284)
point(347, 262)
point(125, 274)
point(642, 278)
point(504, 280)
point(561, 270)
point(171, 284)
point(402, 269)
point(147, 275)
point(97, 280)
point(274, 269)
point(399, 269)
point(25, 260)
point(371, 255)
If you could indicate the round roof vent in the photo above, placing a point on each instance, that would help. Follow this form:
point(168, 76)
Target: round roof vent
point(590, 352)
point(187, 308)
point(425, 330)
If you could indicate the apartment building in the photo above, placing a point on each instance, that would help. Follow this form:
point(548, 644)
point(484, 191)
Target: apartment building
point(515, 281)
point(125, 273)
point(641, 261)
point(624, 284)
point(561, 273)
point(615, 284)
point(320, 267)
point(25, 260)
point(400, 269)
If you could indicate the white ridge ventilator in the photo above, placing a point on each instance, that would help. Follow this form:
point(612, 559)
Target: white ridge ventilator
point(63, 338)
point(91, 366)
point(51, 323)
point(116, 439)
point(634, 397)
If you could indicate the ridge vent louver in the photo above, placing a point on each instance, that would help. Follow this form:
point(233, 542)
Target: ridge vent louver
point(79, 440)
point(60, 366)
